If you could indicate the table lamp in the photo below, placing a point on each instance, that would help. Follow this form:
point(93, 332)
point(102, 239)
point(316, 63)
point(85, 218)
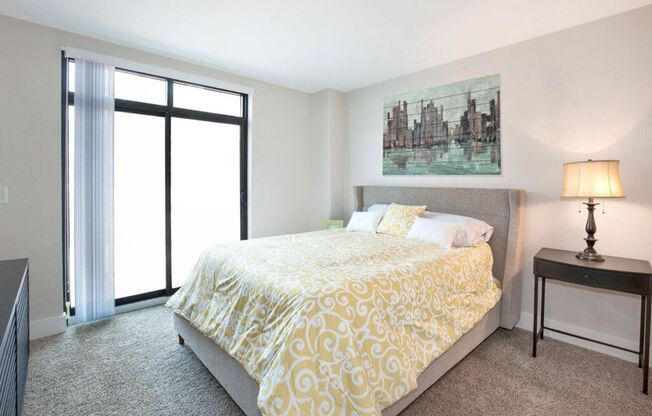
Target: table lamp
point(591, 179)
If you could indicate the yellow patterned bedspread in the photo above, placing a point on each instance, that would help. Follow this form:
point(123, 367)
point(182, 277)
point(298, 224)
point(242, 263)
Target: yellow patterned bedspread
point(333, 322)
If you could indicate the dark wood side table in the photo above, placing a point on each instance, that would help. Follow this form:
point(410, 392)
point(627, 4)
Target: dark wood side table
point(615, 273)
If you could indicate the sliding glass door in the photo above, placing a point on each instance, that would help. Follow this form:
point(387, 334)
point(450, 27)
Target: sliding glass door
point(180, 179)
point(139, 204)
point(205, 190)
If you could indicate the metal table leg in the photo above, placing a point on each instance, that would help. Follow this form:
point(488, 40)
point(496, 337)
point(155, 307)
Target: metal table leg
point(641, 337)
point(535, 336)
point(646, 358)
point(543, 302)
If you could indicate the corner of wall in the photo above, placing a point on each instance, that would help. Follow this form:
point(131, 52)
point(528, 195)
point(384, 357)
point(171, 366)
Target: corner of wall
point(328, 152)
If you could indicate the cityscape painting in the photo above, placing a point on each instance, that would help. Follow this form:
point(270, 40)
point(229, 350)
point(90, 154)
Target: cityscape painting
point(451, 129)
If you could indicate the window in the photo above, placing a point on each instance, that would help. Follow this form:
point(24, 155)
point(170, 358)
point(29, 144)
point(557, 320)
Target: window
point(137, 87)
point(180, 178)
point(139, 204)
point(204, 170)
point(205, 99)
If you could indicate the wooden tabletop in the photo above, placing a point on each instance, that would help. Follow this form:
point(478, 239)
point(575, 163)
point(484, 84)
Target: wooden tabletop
point(611, 263)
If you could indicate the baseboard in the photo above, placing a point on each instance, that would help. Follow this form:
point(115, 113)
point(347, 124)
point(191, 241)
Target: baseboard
point(134, 306)
point(148, 303)
point(525, 322)
point(40, 328)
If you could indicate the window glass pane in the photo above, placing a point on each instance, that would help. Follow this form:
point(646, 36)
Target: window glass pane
point(205, 190)
point(134, 87)
point(139, 201)
point(71, 204)
point(71, 76)
point(205, 99)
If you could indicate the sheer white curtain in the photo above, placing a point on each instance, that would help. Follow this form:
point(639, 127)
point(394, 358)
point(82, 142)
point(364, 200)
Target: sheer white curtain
point(93, 200)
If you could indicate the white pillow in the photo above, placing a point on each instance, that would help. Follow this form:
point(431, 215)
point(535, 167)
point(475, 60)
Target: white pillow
point(379, 207)
point(472, 231)
point(433, 231)
point(366, 222)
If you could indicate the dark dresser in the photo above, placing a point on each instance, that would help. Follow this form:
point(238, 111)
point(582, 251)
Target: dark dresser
point(14, 328)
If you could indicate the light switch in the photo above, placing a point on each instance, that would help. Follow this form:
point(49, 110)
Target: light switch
point(4, 195)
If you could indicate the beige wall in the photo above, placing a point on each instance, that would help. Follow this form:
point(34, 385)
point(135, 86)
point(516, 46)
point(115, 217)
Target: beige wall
point(339, 156)
point(30, 151)
point(320, 157)
point(328, 157)
point(581, 93)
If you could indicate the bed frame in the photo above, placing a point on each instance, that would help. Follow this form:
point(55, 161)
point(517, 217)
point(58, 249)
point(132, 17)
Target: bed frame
point(502, 208)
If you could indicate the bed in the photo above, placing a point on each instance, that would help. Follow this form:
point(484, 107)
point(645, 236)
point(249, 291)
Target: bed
point(346, 323)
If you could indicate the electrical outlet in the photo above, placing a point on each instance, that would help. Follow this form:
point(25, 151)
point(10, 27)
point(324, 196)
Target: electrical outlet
point(4, 195)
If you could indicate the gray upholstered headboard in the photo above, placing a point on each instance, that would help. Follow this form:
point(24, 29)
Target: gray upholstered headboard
point(501, 208)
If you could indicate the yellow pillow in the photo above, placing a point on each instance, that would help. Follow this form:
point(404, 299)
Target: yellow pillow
point(399, 219)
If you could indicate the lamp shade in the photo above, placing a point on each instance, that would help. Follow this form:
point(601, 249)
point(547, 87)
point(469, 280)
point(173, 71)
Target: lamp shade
point(592, 179)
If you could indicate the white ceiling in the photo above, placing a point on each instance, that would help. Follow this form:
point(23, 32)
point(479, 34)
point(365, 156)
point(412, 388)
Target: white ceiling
point(313, 45)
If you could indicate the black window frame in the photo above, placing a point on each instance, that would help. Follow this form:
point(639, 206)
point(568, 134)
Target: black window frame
point(167, 111)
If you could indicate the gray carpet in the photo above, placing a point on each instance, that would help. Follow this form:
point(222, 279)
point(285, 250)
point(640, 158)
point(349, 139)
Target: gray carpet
point(132, 365)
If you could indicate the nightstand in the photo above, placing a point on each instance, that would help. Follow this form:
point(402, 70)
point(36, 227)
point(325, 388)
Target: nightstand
point(615, 273)
point(333, 224)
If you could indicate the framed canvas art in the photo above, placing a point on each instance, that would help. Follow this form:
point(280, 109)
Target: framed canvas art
point(451, 129)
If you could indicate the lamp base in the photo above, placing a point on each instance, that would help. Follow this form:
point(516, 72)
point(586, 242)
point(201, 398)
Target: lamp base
point(589, 252)
point(582, 255)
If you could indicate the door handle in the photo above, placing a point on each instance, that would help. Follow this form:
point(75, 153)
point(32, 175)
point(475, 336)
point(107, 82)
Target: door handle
point(243, 197)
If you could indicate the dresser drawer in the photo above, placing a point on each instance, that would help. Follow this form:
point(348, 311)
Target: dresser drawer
point(619, 281)
point(8, 371)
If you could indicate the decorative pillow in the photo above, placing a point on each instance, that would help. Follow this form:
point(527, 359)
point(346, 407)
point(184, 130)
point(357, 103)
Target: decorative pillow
point(365, 222)
point(379, 207)
point(399, 219)
point(433, 231)
point(472, 231)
